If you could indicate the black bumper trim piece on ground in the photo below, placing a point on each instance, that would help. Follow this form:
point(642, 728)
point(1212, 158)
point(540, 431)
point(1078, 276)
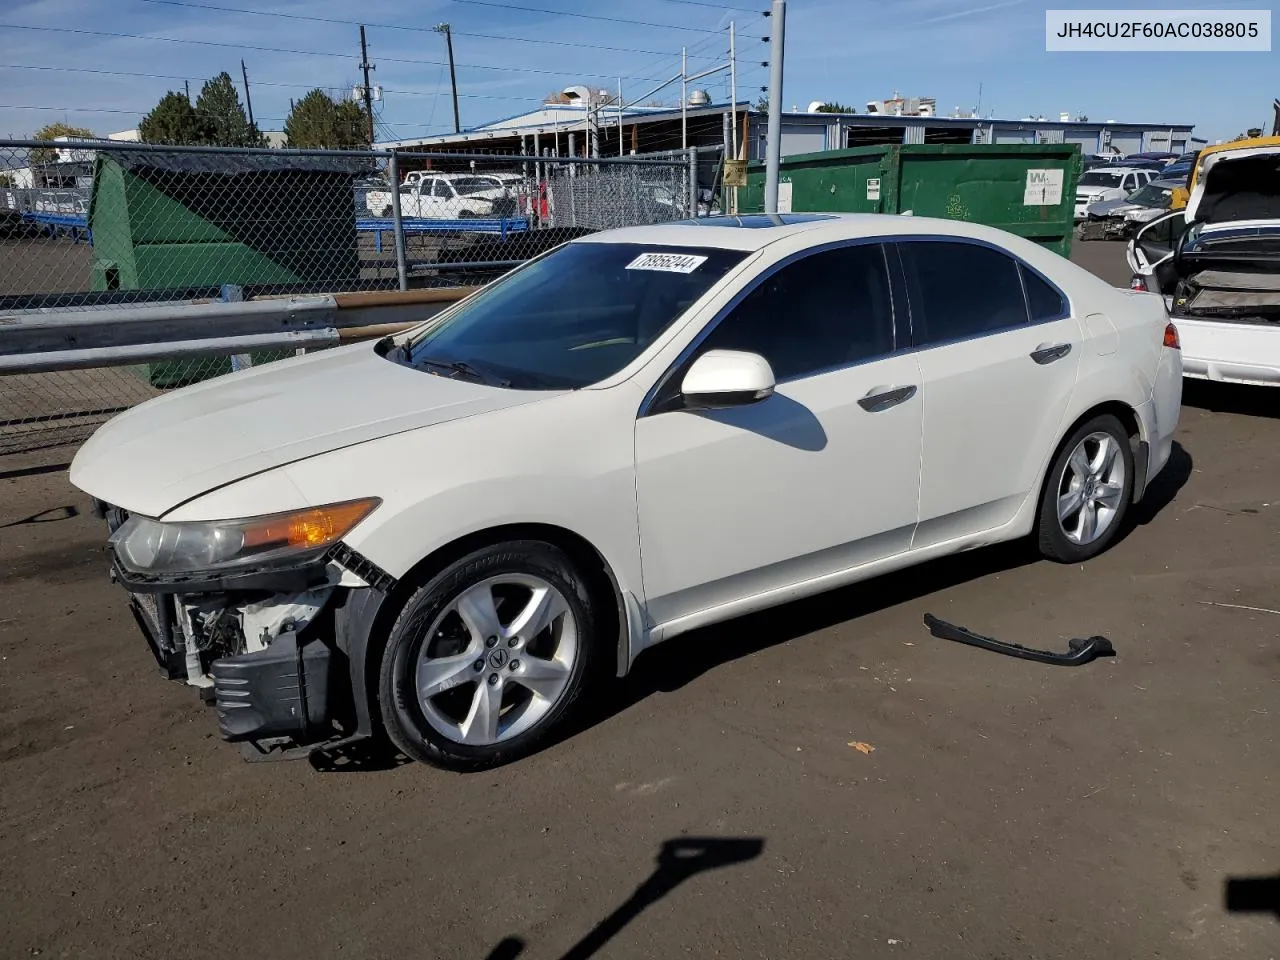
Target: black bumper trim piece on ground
point(1080, 651)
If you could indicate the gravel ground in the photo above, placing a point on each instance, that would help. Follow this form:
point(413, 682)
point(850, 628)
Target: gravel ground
point(714, 806)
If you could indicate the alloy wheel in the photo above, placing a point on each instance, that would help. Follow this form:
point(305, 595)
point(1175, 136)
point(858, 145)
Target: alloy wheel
point(1090, 488)
point(496, 660)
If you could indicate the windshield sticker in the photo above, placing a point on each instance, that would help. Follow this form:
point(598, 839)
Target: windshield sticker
point(667, 262)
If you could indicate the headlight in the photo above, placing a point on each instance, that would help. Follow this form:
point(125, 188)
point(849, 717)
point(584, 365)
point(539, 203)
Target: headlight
point(144, 545)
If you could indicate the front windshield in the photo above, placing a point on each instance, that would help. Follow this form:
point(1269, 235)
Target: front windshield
point(1151, 195)
point(1101, 178)
point(574, 317)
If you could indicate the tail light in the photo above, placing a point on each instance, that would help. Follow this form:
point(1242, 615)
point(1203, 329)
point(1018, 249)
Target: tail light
point(1138, 282)
point(1171, 337)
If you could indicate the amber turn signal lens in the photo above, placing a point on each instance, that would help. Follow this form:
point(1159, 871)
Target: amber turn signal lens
point(314, 527)
point(1171, 337)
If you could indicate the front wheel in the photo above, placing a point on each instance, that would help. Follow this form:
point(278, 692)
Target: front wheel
point(1088, 491)
point(487, 658)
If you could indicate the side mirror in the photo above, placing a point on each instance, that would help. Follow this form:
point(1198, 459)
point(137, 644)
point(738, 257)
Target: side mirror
point(727, 378)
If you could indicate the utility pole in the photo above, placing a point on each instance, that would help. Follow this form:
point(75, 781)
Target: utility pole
point(367, 89)
point(773, 146)
point(684, 98)
point(453, 76)
point(247, 101)
point(186, 85)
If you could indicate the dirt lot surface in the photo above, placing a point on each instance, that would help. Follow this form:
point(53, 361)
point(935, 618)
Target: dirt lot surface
point(1007, 810)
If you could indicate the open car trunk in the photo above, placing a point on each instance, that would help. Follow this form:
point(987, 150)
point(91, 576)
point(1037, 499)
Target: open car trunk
point(1231, 277)
point(1219, 258)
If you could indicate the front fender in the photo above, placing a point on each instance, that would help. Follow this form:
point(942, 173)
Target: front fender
point(567, 461)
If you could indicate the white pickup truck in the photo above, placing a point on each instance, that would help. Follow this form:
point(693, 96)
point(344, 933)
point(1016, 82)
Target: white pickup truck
point(447, 196)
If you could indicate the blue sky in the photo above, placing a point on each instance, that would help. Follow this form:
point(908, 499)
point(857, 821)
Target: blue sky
point(846, 50)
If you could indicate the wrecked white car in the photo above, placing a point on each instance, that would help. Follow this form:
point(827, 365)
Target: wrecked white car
point(1217, 263)
point(1121, 219)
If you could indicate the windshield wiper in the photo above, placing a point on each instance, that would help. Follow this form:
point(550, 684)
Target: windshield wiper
point(461, 367)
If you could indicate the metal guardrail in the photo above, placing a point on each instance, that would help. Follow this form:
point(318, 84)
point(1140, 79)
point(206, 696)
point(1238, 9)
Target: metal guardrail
point(168, 228)
point(63, 371)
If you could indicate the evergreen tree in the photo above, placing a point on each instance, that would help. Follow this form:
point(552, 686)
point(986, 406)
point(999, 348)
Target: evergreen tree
point(317, 122)
point(174, 121)
point(351, 126)
point(223, 116)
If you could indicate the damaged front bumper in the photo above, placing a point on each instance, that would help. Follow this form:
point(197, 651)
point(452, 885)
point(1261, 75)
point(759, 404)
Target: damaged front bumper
point(278, 651)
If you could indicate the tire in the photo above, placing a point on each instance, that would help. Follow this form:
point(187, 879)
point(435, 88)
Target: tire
point(467, 215)
point(432, 643)
point(1086, 493)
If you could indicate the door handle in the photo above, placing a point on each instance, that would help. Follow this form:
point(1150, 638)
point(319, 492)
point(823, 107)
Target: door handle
point(1047, 353)
point(882, 398)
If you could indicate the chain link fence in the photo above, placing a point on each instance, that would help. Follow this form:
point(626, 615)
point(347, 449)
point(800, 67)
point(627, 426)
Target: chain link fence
point(99, 226)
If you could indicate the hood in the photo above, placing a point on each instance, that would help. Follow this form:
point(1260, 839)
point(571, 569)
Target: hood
point(1237, 185)
point(178, 446)
point(1112, 208)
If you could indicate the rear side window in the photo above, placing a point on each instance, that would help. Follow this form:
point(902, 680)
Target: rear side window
point(1044, 301)
point(960, 290)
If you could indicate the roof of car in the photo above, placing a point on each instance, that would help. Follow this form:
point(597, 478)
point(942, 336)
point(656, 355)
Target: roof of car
point(755, 231)
point(1117, 168)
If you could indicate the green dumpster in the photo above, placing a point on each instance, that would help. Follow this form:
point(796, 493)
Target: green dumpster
point(188, 222)
point(1026, 189)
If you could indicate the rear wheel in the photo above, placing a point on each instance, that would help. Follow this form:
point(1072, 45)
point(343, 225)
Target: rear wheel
point(1088, 492)
point(487, 659)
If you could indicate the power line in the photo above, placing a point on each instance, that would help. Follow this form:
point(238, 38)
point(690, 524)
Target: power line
point(586, 16)
point(479, 3)
point(716, 6)
point(143, 113)
point(309, 53)
point(256, 83)
point(311, 18)
point(270, 83)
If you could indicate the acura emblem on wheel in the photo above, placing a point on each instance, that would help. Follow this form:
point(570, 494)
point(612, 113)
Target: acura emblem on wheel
point(498, 659)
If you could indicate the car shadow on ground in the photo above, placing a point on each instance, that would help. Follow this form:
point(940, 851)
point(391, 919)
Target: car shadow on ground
point(678, 860)
point(1238, 398)
point(669, 667)
point(1161, 491)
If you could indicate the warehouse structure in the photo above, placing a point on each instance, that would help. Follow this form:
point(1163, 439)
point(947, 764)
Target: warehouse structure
point(564, 130)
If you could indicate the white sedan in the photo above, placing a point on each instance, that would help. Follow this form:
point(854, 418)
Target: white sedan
point(451, 533)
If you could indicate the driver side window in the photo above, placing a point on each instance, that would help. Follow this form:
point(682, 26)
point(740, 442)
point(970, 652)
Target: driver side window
point(829, 309)
point(441, 189)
